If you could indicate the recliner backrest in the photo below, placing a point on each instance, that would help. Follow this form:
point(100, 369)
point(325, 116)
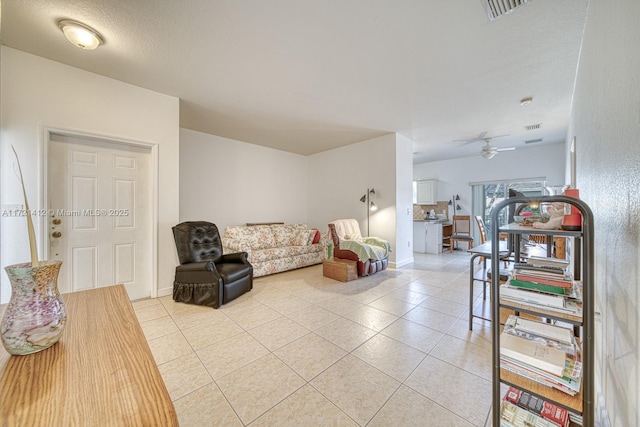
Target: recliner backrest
point(347, 227)
point(197, 241)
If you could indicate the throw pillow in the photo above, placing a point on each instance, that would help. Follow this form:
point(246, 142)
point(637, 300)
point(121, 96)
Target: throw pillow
point(312, 234)
point(316, 237)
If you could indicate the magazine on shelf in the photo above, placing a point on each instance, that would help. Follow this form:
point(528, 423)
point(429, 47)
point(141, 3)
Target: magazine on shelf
point(542, 333)
point(548, 359)
point(537, 261)
point(575, 418)
point(569, 381)
point(514, 416)
point(558, 333)
point(538, 406)
point(544, 378)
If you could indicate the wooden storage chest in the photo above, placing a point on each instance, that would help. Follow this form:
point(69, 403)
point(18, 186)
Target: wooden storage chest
point(340, 269)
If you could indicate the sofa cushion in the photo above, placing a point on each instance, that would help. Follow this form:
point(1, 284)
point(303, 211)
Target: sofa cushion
point(290, 235)
point(284, 252)
point(311, 234)
point(257, 237)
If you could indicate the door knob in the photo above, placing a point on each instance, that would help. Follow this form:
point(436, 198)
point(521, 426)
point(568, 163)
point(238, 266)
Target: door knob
point(56, 234)
point(57, 221)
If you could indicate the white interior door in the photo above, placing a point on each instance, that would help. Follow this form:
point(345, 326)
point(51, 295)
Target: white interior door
point(100, 214)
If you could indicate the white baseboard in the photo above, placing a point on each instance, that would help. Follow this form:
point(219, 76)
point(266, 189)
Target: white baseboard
point(402, 263)
point(163, 292)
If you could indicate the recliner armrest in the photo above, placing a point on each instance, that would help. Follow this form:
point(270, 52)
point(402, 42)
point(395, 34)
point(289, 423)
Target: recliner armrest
point(196, 266)
point(237, 257)
point(198, 272)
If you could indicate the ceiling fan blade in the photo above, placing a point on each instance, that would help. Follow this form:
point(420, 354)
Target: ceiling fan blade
point(506, 149)
point(497, 136)
point(466, 141)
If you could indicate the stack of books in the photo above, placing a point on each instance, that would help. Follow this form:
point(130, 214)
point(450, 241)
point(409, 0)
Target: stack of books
point(520, 406)
point(544, 282)
point(544, 353)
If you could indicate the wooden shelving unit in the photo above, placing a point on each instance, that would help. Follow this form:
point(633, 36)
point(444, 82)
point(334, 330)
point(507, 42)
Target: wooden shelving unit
point(583, 402)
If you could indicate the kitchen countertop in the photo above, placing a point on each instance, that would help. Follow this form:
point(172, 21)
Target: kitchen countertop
point(440, 221)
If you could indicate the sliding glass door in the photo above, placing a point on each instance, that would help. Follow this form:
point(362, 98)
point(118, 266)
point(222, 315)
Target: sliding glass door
point(487, 195)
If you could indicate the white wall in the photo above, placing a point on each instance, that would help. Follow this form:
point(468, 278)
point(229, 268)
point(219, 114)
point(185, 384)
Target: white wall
point(605, 120)
point(339, 177)
point(38, 92)
point(229, 182)
point(404, 201)
point(455, 175)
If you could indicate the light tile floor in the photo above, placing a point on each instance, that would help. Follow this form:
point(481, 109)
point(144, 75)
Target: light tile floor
point(303, 350)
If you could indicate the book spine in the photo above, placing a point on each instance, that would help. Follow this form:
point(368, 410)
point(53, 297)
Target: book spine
point(520, 417)
point(527, 295)
point(544, 281)
point(556, 290)
point(538, 406)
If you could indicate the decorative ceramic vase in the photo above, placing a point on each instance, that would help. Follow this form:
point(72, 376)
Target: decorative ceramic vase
point(36, 315)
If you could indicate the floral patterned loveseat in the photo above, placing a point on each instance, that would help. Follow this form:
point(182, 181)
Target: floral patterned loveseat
point(276, 248)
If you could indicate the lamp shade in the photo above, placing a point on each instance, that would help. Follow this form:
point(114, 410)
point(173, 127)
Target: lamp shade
point(80, 34)
point(373, 207)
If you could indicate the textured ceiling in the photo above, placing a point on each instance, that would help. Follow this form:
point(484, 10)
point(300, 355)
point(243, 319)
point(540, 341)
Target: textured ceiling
point(308, 76)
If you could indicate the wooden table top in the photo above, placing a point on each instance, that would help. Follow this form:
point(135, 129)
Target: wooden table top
point(100, 373)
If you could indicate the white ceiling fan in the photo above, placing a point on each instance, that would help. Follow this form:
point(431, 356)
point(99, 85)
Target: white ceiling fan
point(489, 151)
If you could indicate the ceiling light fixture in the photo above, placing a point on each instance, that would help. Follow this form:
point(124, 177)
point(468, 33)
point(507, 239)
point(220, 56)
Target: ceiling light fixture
point(488, 154)
point(80, 35)
point(526, 101)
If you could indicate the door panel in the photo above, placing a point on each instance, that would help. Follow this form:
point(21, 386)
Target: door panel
point(124, 256)
point(99, 201)
point(124, 194)
point(84, 267)
point(84, 198)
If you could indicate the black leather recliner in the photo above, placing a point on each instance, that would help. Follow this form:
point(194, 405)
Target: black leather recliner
point(205, 275)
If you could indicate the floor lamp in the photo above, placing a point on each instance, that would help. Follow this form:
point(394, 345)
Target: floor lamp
point(456, 207)
point(371, 206)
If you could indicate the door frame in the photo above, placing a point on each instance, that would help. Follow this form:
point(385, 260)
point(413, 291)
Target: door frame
point(45, 137)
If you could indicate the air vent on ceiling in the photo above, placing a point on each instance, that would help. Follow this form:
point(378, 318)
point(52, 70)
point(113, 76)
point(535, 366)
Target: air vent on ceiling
point(498, 8)
point(533, 141)
point(533, 127)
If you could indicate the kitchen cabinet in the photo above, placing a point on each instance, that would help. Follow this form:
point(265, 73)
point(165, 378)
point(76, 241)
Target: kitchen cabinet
point(426, 192)
point(427, 237)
